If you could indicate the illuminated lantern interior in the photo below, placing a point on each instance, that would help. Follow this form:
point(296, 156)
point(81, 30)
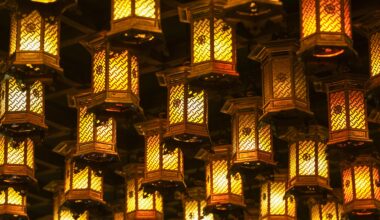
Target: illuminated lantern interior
point(12, 202)
point(347, 112)
point(330, 210)
point(22, 106)
point(325, 27)
point(194, 204)
point(374, 43)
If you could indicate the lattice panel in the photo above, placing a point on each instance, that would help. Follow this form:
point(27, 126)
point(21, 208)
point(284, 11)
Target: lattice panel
point(282, 84)
point(201, 41)
point(375, 176)
point(267, 85)
point(357, 110)
point(309, 21)
point(265, 138)
point(51, 37)
point(13, 35)
point(292, 161)
point(323, 169)
point(80, 179)
point(37, 98)
point(236, 184)
point(337, 111)
point(277, 201)
point(152, 153)
point(205, 217)
point(121, 9)
point(176, 104)
point(99, 71)
point(330, 16)
point(208, 179)
point(363, 184)
point(329, 211)
point(291, 206)
point(196, 106)
point(67, 177)
point(247, 132)
point(347, 185)
point(30, 38)
point(135, 75)
point(191, 210)
point(2, 150)
point(223, 48)
point(130, 194)
point(30, 153)
point(3, 97)
point(145, 8)
point(14, 197)
point(86, 126)
point(159, 202)
point(300, 83)
point(306, 158)
point(264, 197)
point(144, 203)
point(118, 71)
point(16, 153)
point(2, 197)
point(105, 133)
point(96, 182)
point(375, 54)
point(347, 18)
point(67, 215)
point(219, 180)
point(171, 160)
point(16, 97)
point(315, 212)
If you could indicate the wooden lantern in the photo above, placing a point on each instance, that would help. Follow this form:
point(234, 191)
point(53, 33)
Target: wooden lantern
point(194, 203)
point(360, 183)
point(273, 203)
point(96, 140)
point(329, 210)
point(22, 106)
point(138, 19)
point(16, 160)
point(12, 203)
point(162, 168)
point(213, 43)
point(115, 78)
point(308, 165)
point(285, 88)
point(187, 107)
point(139, 205)
point(252, 139)
point(325, 28)
point(224, 190)
point(347, 113)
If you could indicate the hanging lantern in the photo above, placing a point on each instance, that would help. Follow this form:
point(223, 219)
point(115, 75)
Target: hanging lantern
point(224, 190)
point(285, 87)
point(325, 28)
point(96, 139)
point(16, 160)
point(347, 113)
point(308, 165)
point(22, 106)
point(118, 216)
point(139, 205)
point(360, 183)
point(194, 203)
point(213, 43)
point(12, 203)
point(187, 107)
point(136, 19)
point(274, 204)
point(115, 78)
point(162, 168)
point(328, 210)
point(252, 139)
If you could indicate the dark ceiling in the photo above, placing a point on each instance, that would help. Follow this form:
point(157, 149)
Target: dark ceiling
point(92, 16)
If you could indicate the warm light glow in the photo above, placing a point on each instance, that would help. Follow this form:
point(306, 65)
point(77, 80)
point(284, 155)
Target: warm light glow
point(65, 214)
point(374, 43)
point(142, 8)
point(44, 1)
point(329, 211)
point(13, 153)
point(11, 197)
point(83, 179)
point(193, 210)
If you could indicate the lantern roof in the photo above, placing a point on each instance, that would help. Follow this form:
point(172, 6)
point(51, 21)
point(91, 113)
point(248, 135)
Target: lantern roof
point(231, 106)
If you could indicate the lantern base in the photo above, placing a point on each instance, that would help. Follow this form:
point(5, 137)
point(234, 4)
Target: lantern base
point(84, 197)
point(308, 185)
point(253, 159)
point(187, 132)
point(115, 102)
point(22, 122)
point(362, 207)
point(17, 174)
point(225, 202)
point(277, 217)
point(13, 212)
point(286, 109)
point(136, 29)
point(78, 206)
point(97, 152)
point(162, 181)
point(144, 214)
point(249, 170)
point(349, 137)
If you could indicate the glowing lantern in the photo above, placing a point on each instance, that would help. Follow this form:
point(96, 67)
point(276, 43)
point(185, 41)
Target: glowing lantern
point(118, 216)
point(224, 190)
point(213, 44)
point(325, 27)
point(96, 139)
point(187, 107)
point(360, 183)
point(273, 203)
point(139, 19)
point(252, 139)
point(347, 113)
point(308, 165)
point(194, 203)
point(284, 83)
point(139, 205)
point(13, 203)
point(22, 106)
point(115, 78)
point(16, 160)
point(329, 210)
point(162, 168)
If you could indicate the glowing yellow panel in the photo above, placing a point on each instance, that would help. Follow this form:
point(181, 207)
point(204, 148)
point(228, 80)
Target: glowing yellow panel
point(14, 197)
point(222, 41)
point(329, 212)
point(357, 110)
point(13, 35)
point(219, 172)
point(2, 150)
point(16, 154)
point(292, 161)
point(291, 206)
point(337, 111)
point(208, 216)
point(30, 153)
point(153, 153)
point(191, 210)
point(16, 97)
point(362, 182)
point(201, 41)
point(2, 98)
point(170, 160)
point(309, 21)
point(118, 71)
point(121, 9)
point(135, 75)
point(264, 200)
point(67, 179)
point(104, 133)
point(37, 98)
point(277, 201)
point(30, 38)
point(347, 186)
point(86, 126)
point(99, 71)
point(51, 37)
point(375, 54)
point(130, 196)
point(195, 107)
point(306, 158)
point(208, 180)
point(80, 179)
point(330, 16)
point(282, 84)
point(265, 140)
point(375, 176)
point(247, 132)
point(2, 198)
point(144, 203)
point(176, 104)
point(65, 214)
point(236, 184)
point(300, 83)
point(347, 18)
point(159, 202)
point(322, 160)
point(96, 182)
point(145, 8)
